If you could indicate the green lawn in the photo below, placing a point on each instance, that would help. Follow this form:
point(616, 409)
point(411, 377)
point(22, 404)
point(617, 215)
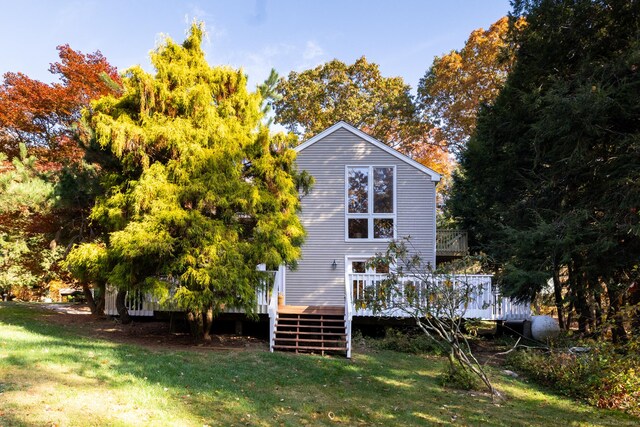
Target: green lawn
point(51, 376)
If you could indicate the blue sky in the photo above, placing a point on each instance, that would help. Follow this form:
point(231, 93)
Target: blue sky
point(402, 36)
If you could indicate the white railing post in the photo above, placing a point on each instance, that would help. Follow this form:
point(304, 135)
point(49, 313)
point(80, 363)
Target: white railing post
point(273, 304)
point(348, 313)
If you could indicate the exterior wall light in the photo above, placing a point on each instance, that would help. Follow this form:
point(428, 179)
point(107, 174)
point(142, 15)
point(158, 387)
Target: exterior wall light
point(334, 265)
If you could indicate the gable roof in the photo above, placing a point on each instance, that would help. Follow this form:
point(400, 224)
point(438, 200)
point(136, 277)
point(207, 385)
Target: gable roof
point(371, 140)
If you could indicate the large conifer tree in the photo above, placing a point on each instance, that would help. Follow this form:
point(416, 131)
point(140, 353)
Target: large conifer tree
point(204, 193)
point(549, 182)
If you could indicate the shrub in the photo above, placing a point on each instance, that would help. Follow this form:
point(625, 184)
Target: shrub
point(460, 378)
point(607, 376)
point(407, 342)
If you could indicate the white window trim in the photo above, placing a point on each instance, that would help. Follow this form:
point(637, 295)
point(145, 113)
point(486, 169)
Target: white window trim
point(370, 204)
point(348, 259)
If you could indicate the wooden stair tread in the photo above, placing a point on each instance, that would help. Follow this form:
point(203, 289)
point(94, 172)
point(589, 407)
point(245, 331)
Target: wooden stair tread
point(311, 309)
point(296, 319)
point(310, 333)
point(293, 347)
point(305, 318)
point(296, 339)
point(310, 328)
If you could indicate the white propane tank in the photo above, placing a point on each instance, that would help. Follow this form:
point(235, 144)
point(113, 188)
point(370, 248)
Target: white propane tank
point(544, 328)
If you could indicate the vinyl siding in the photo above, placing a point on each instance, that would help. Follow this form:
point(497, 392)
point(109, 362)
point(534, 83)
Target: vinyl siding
point(323, 216)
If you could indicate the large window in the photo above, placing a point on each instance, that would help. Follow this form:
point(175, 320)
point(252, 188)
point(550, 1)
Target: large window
point(370, 202)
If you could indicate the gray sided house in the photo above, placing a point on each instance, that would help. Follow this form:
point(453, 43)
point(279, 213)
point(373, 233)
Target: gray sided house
point(365, 194)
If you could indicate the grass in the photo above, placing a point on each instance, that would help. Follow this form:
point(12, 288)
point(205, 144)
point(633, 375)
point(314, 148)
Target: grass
point(51, 376)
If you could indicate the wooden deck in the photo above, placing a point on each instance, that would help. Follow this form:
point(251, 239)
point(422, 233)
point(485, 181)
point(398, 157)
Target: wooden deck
point(327, 329)
point(451, 243)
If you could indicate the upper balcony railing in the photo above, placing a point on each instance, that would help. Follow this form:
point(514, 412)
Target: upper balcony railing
point(451, 243)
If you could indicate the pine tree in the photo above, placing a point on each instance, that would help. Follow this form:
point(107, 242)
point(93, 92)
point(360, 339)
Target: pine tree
point(204, 193)
point(548, 184)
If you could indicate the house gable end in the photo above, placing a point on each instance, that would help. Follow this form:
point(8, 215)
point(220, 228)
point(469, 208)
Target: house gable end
point(371, 140)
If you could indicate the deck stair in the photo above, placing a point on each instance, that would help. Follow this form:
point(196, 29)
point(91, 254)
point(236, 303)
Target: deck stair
point(310, 329)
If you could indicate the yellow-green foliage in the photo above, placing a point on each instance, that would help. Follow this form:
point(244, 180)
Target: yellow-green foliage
point(205, 193)
point(88, 262)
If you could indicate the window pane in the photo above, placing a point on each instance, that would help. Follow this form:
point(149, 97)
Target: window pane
point(358, 228)
point(358, 267)
point(383, 190)
point(383, 228)
point(358, 190)
point(382, 268)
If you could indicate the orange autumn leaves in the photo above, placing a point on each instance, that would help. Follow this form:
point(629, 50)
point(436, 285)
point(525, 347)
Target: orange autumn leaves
point(40, 114)
point(459, 83)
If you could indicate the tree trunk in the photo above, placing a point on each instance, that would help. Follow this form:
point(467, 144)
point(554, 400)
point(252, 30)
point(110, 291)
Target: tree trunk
point(599, 316)
point(100, 300)
point(195, 325)
point(581, 304)
point(618, 332)
point(634, 301)
point(557, 293)
point(88, 296)
point(207, 322)
point(125, 319)
point(597, 290)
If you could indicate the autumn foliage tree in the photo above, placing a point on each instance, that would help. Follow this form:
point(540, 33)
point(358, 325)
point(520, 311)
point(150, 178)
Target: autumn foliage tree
point(42, 115)
point(312, 100)
point(38, 150)
point(459, 83)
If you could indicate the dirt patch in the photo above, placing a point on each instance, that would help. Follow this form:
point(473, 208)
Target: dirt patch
point(149, 333)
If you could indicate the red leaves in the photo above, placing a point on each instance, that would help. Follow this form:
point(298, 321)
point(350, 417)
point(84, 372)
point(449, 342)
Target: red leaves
point(82, 75)
point(41, 114)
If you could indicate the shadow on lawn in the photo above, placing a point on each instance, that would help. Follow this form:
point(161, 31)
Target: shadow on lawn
point(9, 420)
point(260, 388)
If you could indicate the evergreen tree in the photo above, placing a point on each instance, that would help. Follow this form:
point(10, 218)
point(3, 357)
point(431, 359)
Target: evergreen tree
point(204, 194)
point(27, 225)
point(549, 183)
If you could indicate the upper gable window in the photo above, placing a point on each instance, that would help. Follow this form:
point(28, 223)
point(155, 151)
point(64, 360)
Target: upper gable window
point(370, 200)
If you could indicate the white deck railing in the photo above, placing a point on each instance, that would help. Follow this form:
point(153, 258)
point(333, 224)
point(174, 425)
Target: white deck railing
point(145, 304)
point(137, 303)
point(348, 315)
point(451, 242)
point(278, 288)
point(485, 302)
point(508, 309)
